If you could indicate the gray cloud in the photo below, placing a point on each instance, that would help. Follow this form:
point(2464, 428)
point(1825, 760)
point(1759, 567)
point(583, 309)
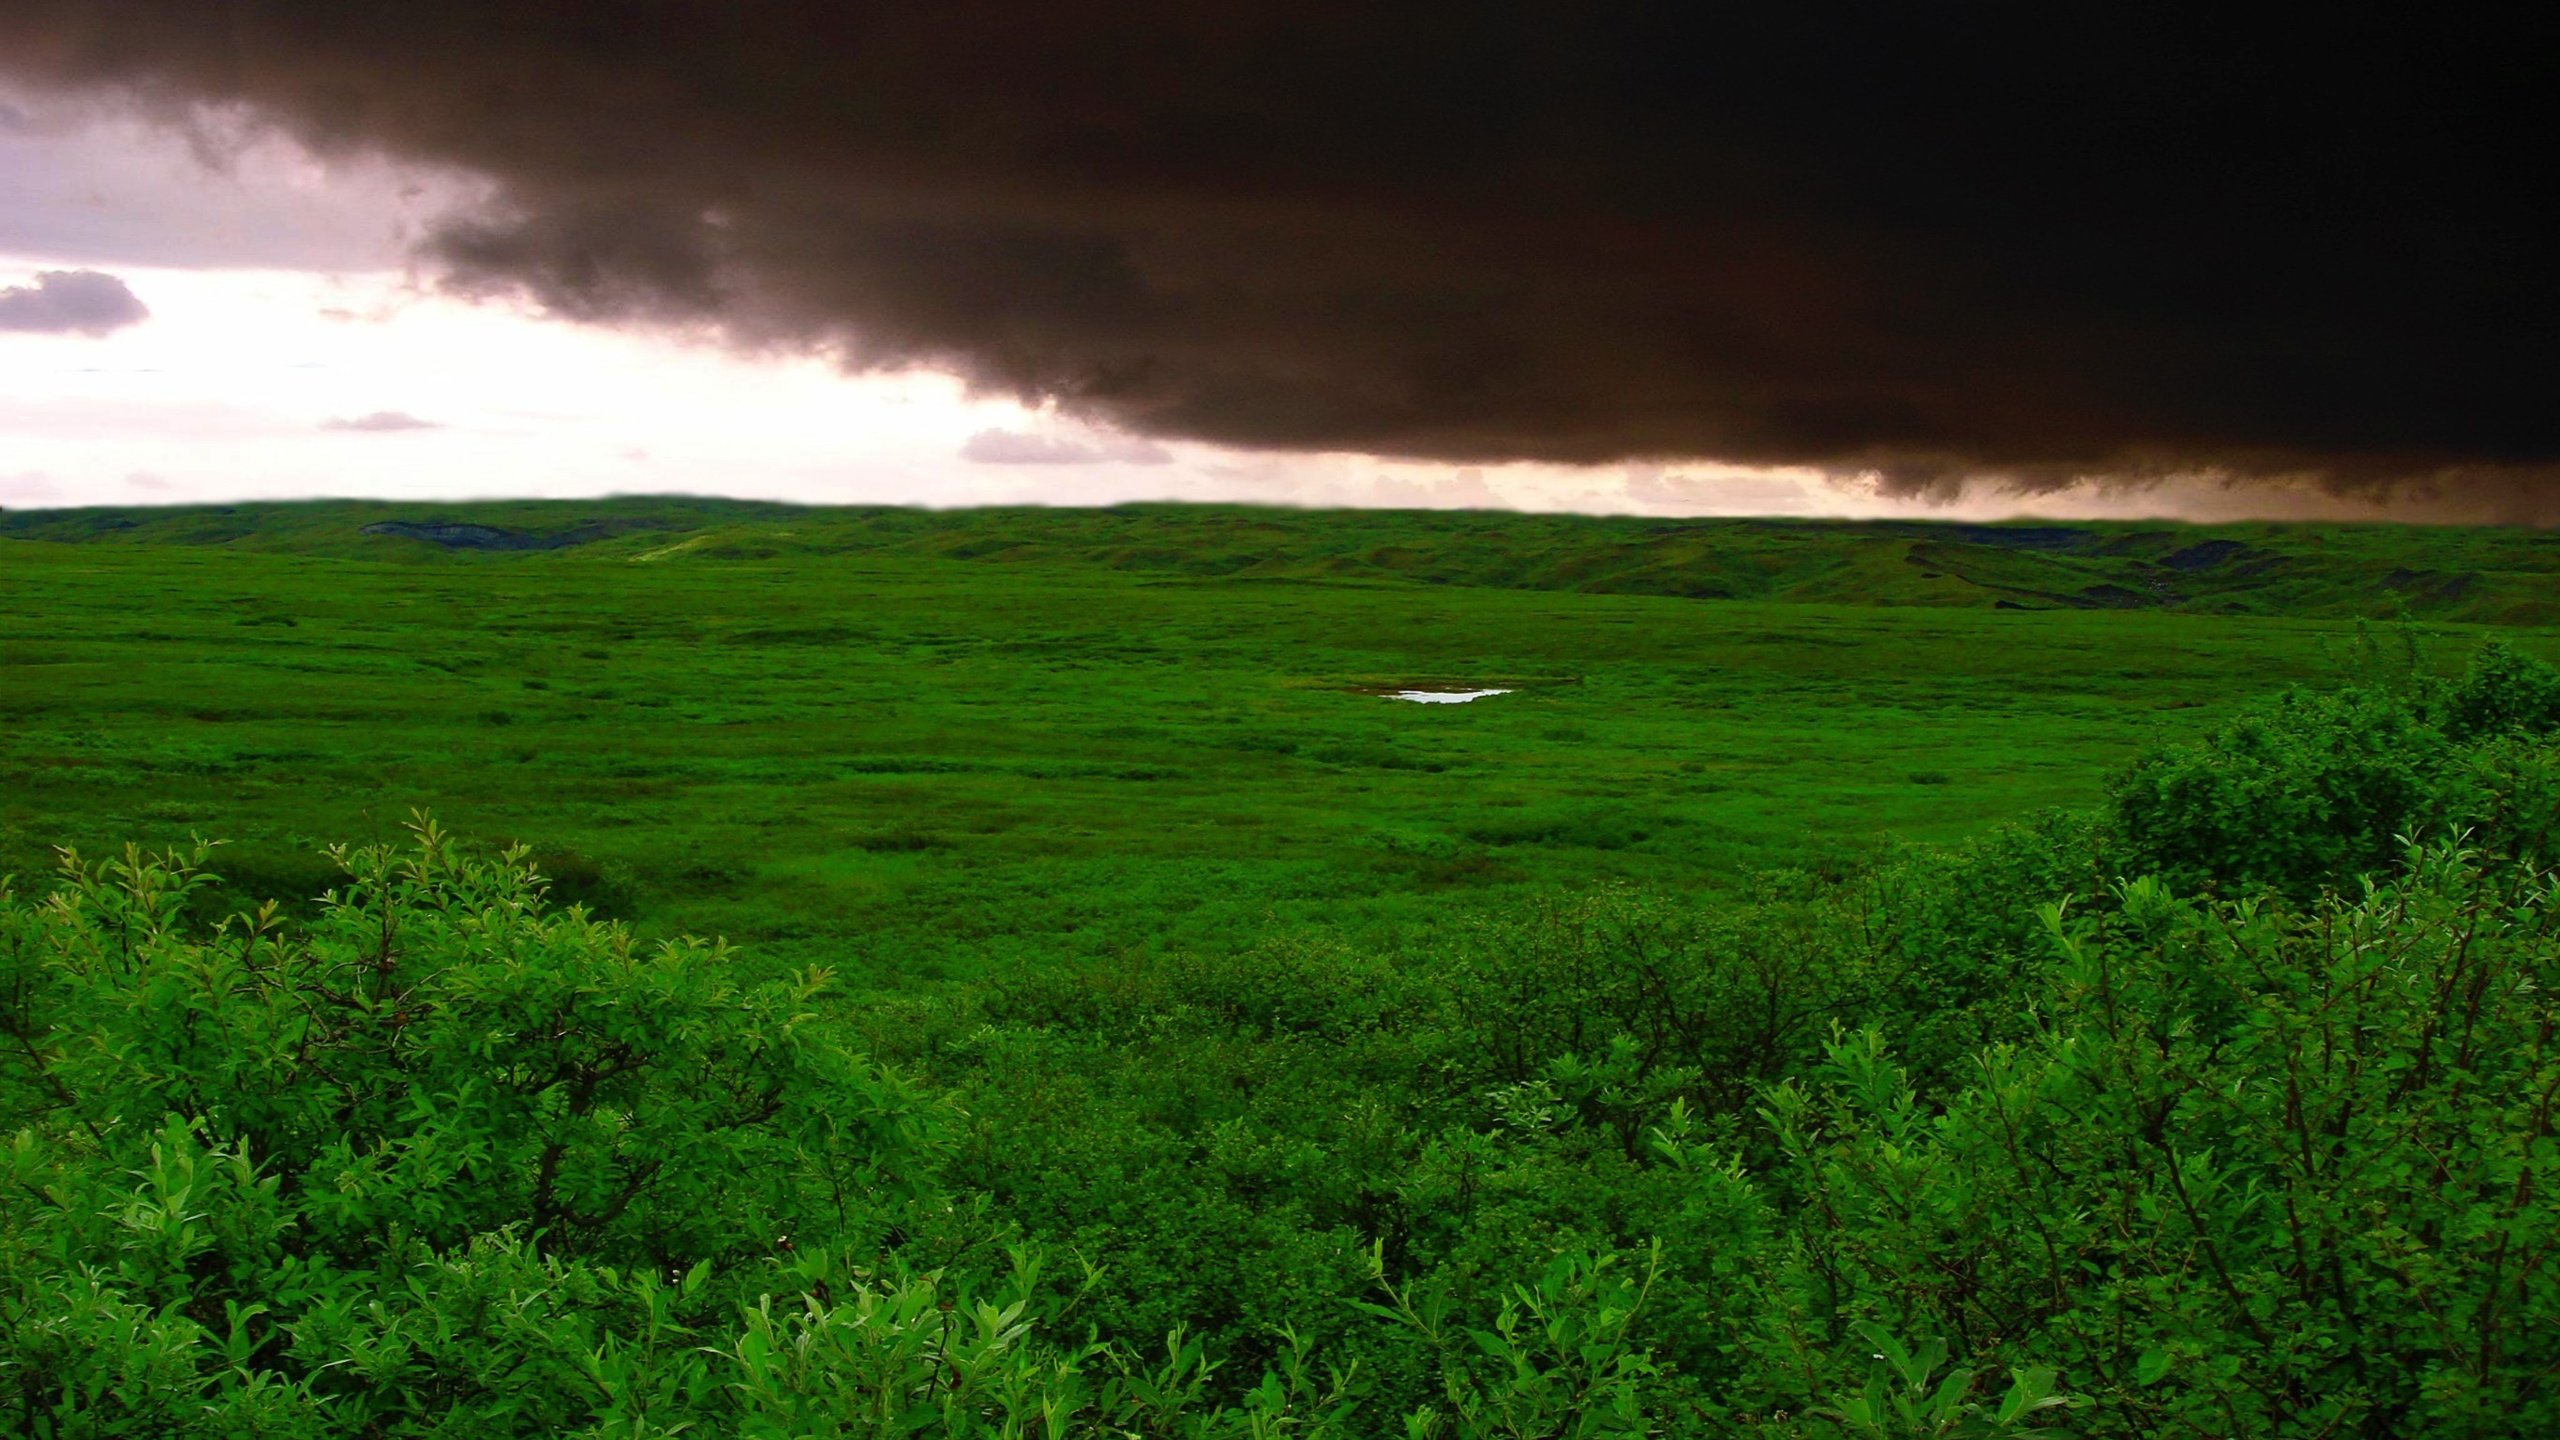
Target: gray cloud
point(32, 489)
point(380, 422)
point(1464, 490)
point(89, 184)
point(1653, 490)
point(1014, 447)
point(70, 302)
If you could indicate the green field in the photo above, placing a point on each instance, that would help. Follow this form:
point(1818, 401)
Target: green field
point(1847, 952)
point(1040, 736)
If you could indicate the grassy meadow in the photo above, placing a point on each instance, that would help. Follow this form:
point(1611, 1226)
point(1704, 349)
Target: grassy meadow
point(914, 765)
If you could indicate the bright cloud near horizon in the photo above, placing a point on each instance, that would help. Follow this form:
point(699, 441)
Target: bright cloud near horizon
point(193, 319)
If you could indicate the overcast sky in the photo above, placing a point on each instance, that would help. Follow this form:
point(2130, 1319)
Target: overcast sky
point(218, 315)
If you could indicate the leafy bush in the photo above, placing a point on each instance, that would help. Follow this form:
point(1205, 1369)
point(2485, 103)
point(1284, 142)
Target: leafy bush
point(269, 1124)
point(1631, 999)
point(2314, 790)
point(2503, 693)
point(439, 1055)
point(447, 1161)
point(2292, 795)
point(2259, 1171)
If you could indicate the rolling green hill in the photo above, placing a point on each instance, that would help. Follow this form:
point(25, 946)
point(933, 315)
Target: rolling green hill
point(2492, 576)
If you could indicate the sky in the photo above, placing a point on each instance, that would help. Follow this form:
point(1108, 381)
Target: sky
point(1083, 255)
point(275, 339)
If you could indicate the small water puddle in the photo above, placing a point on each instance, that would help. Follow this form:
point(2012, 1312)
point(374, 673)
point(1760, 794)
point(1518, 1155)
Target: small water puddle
point(1442, 697)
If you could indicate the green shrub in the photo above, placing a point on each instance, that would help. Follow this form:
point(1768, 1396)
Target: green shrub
point(2311, 790)
point(2315, 790)
point(2259, 1171)
point(446, 1161)
point(268, 1129)
point(1642, 998)
point(2503, 693)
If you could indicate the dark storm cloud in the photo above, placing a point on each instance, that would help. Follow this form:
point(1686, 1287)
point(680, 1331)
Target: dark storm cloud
point(1930, 242)
point(381, 422)
point(70, 302)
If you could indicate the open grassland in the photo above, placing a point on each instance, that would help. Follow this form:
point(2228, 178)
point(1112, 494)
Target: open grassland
point(914, 744)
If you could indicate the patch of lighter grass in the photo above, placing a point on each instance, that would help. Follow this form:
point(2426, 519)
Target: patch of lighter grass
point(662, 552)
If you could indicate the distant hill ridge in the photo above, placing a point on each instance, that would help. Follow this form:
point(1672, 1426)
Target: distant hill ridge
point(465, 535)
point(2498, 576)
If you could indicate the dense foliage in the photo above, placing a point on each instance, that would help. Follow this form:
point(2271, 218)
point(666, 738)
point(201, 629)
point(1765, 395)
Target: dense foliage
point(2227, 1110)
